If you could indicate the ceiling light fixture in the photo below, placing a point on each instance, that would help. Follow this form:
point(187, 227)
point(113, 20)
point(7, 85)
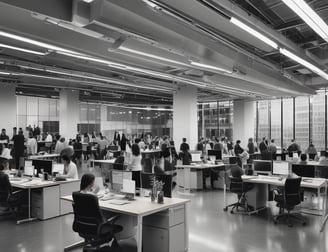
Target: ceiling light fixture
point(310, 17)
point(305, 63)
point(4, 73)
point(88, 1)
point(123, 48)
point(194, 63)
point(22, 49)
point(254, 33)
point(151, 4)
point(33, 42)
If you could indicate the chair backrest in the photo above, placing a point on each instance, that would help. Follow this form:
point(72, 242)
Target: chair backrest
point(311, 156)
point(4, 196)
point(167, 180)
point(147, 180)
point(87, 214)
point(236, 185)
point(292, 191)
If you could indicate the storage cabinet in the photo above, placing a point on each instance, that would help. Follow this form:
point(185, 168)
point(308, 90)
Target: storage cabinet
point(45, 203)
point(165, 231)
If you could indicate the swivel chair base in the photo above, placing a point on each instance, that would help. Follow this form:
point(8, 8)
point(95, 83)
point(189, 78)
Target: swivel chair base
point(287, 217)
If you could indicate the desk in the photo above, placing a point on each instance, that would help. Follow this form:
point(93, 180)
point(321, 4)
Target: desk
point(140, 208)
point(316, 183)
point(45, 156)
point(48, 204)
point(106, 161)
point(201, 166)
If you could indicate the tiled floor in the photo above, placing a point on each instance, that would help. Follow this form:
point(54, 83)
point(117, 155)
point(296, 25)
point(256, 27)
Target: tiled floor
point(210, 230)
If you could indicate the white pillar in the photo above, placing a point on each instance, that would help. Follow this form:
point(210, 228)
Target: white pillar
point(185, 123)
point(69, 113)
point(8, 107)
point(243, 121)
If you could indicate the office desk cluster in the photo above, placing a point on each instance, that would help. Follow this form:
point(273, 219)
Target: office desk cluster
point(160, 227)
point(44, 197)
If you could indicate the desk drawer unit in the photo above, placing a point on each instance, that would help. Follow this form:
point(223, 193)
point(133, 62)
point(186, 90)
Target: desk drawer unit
point(164, 231)
point(45, 202)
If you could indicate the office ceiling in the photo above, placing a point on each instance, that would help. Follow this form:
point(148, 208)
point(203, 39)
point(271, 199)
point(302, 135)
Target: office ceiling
point(140, 51)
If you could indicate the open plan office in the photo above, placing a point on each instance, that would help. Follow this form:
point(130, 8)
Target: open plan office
point(163, 125)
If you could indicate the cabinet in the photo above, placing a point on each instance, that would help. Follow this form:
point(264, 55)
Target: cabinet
point(45, 203)
point(165, 231)
point(67, 189)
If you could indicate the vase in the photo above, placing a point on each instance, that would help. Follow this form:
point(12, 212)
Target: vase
point(160, 197)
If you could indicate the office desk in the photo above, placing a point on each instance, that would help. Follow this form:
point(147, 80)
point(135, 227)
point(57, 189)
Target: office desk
point(316, 183)
point(45, 156)
point(140, 208)
point(201, 166)
point(47, 204)
point(106, 161)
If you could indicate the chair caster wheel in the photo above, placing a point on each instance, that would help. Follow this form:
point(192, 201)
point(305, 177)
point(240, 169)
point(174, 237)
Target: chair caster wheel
point(231, 212)
point(225, 209)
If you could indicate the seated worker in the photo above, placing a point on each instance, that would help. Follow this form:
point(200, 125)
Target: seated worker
point(14, 199)
point(303, 158)
point(237, 172)
point(70, 170)
point(185, 156)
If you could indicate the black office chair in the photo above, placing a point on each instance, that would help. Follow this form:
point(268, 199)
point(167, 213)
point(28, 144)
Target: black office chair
point(147, 180)
point(167, 180)
point(240, 188)
point(312, 156)
point(90, 224)
point(288, 199)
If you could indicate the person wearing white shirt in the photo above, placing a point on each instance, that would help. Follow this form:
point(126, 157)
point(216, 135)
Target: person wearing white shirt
point(49, 137)
point(70, 170)
point(135, 160)
point(32, 145)
point(60, 145)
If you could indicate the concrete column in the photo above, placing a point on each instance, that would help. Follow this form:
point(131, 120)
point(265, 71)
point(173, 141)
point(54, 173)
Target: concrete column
point(185, 122)
point(8, 107)
point(69, 113)
point(243, 121)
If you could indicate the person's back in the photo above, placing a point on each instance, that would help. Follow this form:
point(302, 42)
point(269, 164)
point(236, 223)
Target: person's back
point(272, 148)
point(263, 147)
point(185, 157)
point(236, 171)
point(218, 146)
point(19, 143)
point(251, 148)
point(184, 146)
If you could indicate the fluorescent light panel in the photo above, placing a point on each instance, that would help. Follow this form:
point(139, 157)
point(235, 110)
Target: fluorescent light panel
point(303, 62)
point(254, 33)
point(209, 67)
point(88, 1)
point(151, 4)
point(21, 49)
point(310, 17)
point(123, 48)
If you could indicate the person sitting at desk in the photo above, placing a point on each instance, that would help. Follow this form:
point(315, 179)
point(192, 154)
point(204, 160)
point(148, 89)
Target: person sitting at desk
point(70, 170)
point(293, 147)
point(185, 156)
point(135, 160)
point(87, 184)
point(324, 160)
point(303, 158)
point(311, 151)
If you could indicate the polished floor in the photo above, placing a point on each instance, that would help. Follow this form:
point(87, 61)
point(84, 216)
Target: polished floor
point(210, 230)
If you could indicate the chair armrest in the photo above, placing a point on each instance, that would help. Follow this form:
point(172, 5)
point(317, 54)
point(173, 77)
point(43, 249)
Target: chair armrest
point(17, 192)
point(276, 191)
point(113, 219)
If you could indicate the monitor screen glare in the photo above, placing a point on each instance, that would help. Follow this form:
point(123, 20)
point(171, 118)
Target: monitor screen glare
point(280, 168)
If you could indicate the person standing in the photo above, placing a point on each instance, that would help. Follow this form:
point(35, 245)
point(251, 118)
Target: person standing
point(18, 147)
point(272, 147)
point(251, 146)
point(184, 146)
point(238, 150)
point(4, 138)
point(263, 146)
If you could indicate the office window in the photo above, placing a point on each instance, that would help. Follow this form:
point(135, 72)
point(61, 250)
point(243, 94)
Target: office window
point(37, 111)
point(288, 121)
point(263, 119)
point(318, 121)
point(225, 119)
point(276, 121)
point(302, 122)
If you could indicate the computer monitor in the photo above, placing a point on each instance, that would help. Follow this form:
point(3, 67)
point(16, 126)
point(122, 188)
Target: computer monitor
point(28, 168)
point(232, 160)
point(262, 167)
point(113, 147)
point(45, 165)
point(304, 170)
point(129, 186)
point(117, 179)
point(280, 168)
point(196, 156)
point(216, 153)
point(59, 168)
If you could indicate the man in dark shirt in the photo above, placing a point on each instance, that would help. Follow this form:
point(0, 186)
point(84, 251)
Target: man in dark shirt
point(19, 147)
point(184, 146)
point(4, 137)
point(238, 149)
point(263, 146)
point(5, 186)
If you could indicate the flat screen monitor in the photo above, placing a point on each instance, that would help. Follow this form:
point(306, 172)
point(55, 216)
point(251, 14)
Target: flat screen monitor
point(195, 157)
point(280, 168)
point(45, 165)
point(216, 153)
point(58, 168)
point(262, 166)
point(28, 169)
point(304, 170)
point(117, 179)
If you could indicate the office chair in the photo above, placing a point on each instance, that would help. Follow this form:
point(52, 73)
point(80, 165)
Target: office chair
point(90, 224)
point(147, 180)
point(312, 156)
point(240, 188)
point(13, 204)
point(167, 180)
point(288, 200)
